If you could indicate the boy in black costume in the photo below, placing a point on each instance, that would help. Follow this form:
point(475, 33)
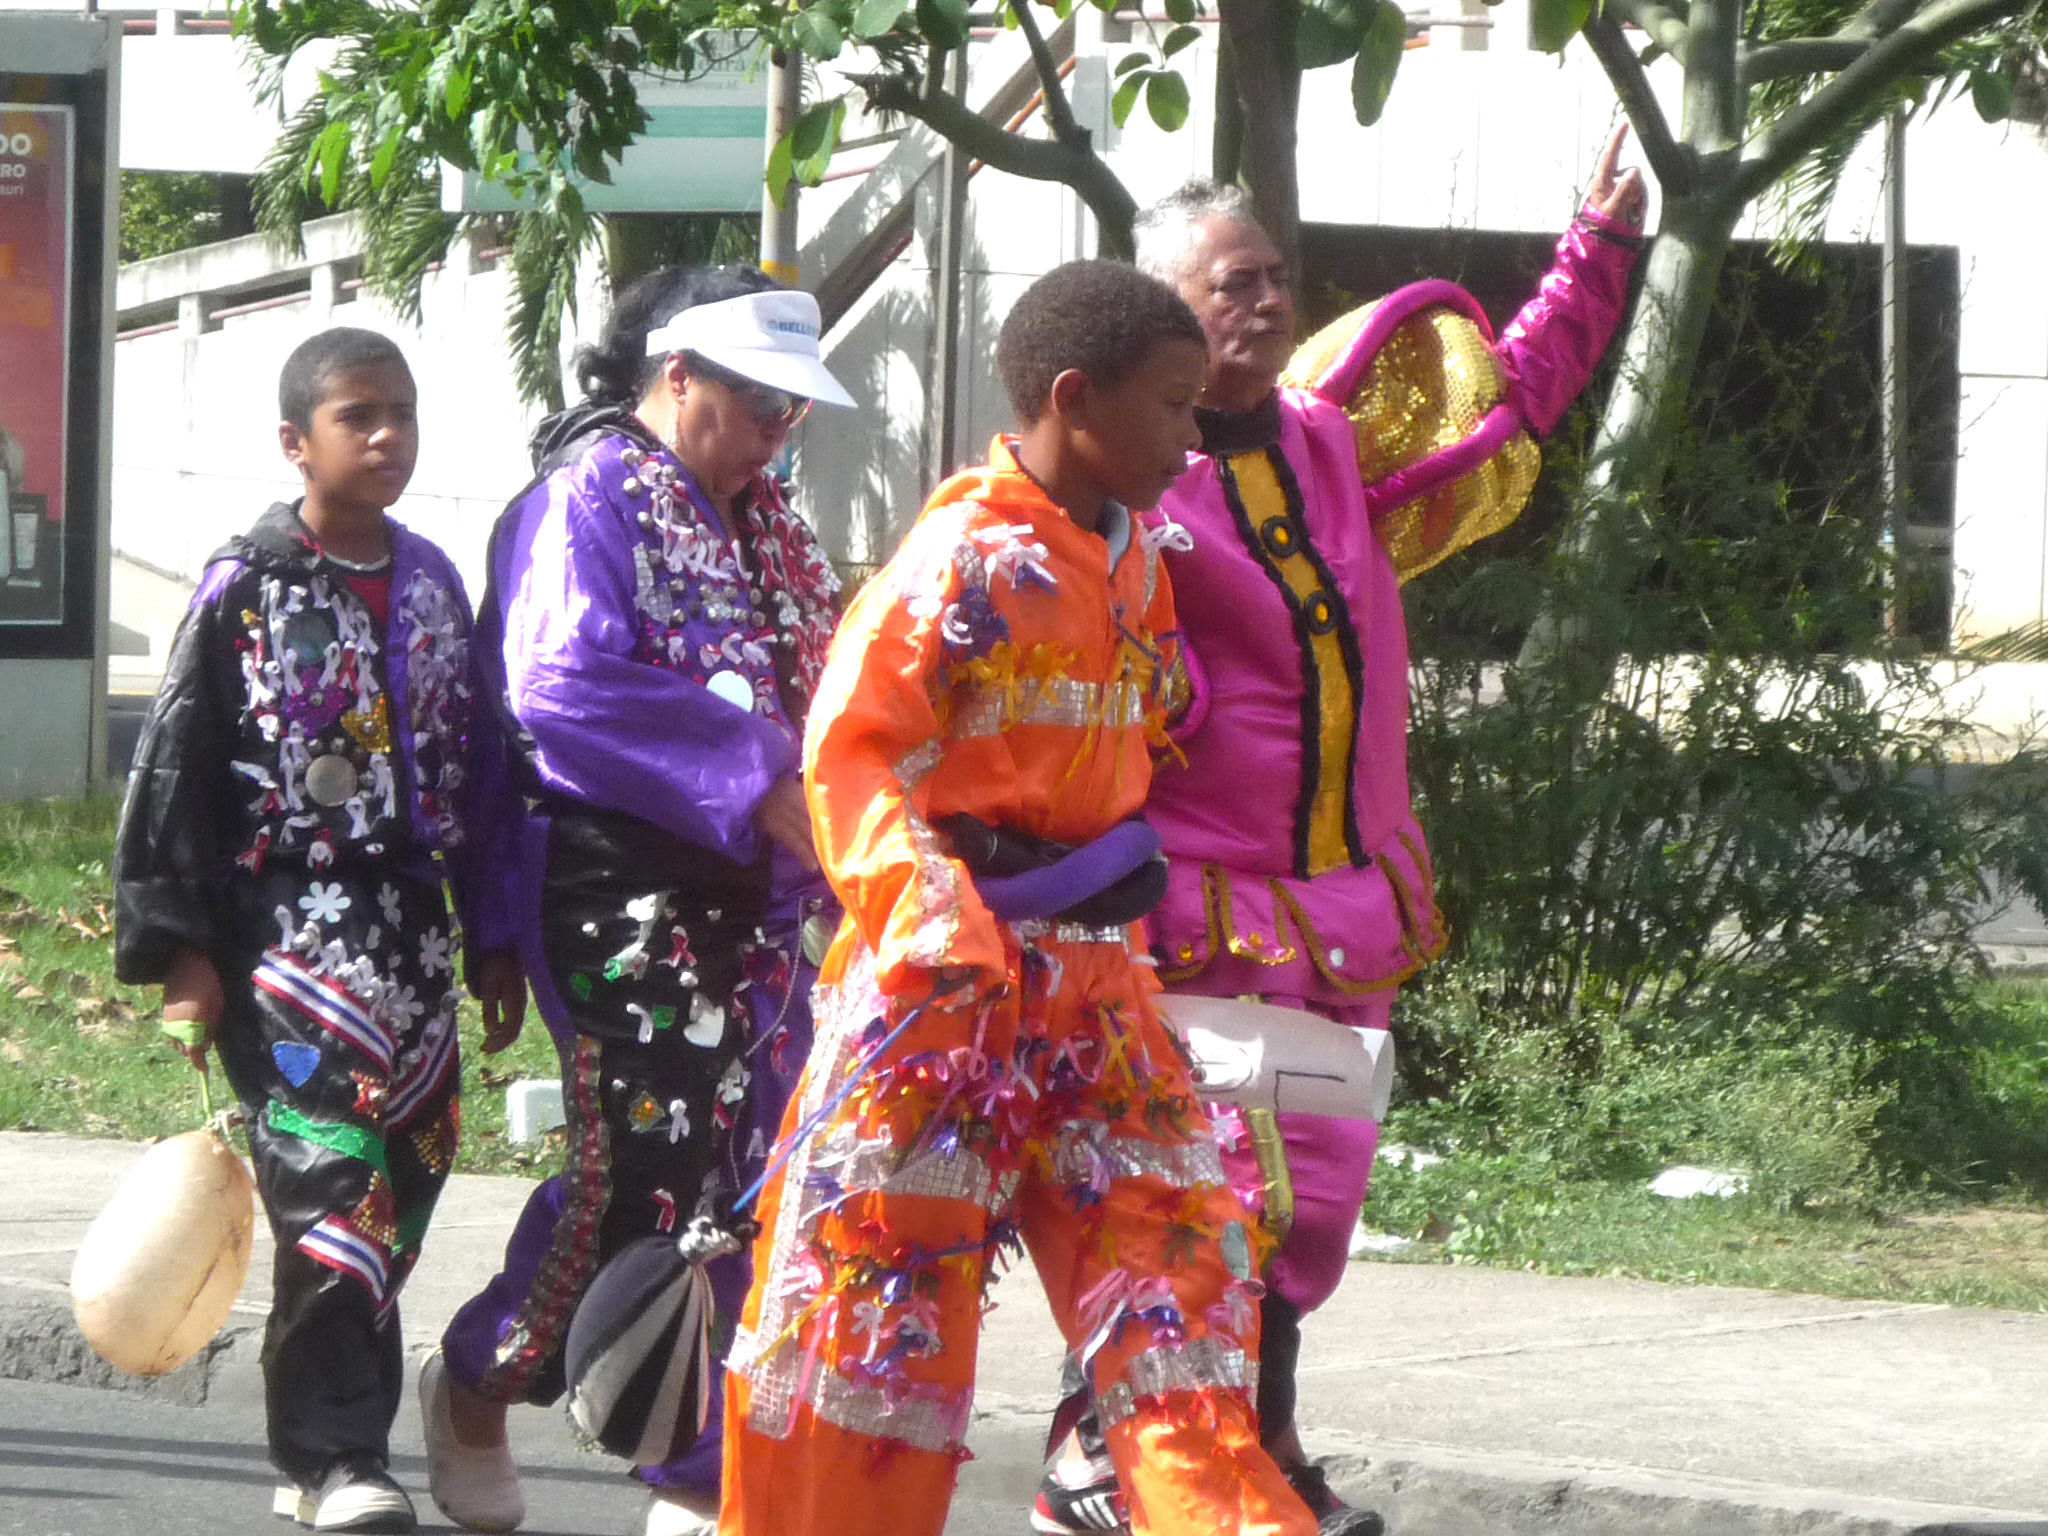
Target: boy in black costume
point(317, 763)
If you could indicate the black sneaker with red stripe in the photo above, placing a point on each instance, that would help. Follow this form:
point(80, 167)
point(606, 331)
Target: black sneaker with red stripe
point(1080, 1496)
point(1333, 1516)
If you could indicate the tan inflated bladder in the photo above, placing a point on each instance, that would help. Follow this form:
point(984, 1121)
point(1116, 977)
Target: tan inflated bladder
point(164, 1260)
point(1258, 1056)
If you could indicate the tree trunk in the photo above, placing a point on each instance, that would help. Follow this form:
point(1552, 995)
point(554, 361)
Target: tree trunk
point(1226, 149)
point(1632, 449)
point(1625, 472)
point(1260, 37)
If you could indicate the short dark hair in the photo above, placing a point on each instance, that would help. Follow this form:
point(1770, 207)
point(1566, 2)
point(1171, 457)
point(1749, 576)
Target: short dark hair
point(616, 370)
point(1101, 317)
point(316, 360)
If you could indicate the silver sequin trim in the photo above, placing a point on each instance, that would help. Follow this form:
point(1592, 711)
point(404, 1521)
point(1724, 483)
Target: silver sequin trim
point(916, 765)
point(873, 1165)
point(1190, 1164)
point(839, 1012)
point(1071, 933)
point(1047, 701)
point(864, 1410)
point(1198, 1365)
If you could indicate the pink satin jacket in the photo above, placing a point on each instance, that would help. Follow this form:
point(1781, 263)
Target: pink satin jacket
point(1297, 867)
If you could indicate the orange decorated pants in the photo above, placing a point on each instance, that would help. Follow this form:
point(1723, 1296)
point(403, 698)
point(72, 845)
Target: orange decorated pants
point(1061, 1120)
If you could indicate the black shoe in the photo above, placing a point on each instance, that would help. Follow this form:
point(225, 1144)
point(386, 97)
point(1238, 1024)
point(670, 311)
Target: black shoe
point(1333, 1516)
point(354, 1494)
point(1073, 1500)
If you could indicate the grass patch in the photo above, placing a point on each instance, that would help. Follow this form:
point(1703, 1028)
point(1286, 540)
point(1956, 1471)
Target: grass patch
point(1962, 1255)
point(1544, 1145)
point(82, 1055)
point(1545, 1163)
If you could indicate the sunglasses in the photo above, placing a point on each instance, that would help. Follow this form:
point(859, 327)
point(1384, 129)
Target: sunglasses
point(769, 407)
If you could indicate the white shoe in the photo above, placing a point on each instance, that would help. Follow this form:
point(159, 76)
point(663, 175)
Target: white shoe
point(681, 1512)
point(476, 1486)
point(355, 1494)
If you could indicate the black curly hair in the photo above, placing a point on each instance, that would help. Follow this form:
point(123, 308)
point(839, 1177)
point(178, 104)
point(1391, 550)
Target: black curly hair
point(302, 383)
point(1101, 317)
point(617, 370)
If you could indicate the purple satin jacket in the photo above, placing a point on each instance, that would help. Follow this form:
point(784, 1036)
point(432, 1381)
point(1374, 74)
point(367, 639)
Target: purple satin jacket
point(641, 658)
point(1297, 867)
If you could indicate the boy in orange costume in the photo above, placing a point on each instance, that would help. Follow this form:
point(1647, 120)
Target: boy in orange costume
point(1017, 661)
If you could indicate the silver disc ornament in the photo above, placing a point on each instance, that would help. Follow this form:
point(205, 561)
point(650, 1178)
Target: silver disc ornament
point(331, 778)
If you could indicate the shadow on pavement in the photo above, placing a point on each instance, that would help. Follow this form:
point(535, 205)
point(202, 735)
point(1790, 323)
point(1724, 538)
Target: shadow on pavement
point(200, 1459)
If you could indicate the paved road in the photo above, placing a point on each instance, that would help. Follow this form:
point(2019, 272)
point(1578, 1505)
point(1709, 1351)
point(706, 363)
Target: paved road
point(80, 1462)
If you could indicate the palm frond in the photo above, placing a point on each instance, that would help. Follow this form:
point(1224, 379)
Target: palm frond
point(546, 252)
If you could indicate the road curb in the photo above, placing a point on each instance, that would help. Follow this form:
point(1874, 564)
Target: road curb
point(1440, 1491)
point(1420, 1489)
point(1448, 1493)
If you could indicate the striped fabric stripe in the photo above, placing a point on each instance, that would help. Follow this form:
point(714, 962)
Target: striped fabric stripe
point(326, 1002)
point(337, 1245)
point(424, 1080)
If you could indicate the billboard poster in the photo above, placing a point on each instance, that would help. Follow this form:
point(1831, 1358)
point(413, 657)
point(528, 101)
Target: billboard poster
point(704, 149)
point(37, 154)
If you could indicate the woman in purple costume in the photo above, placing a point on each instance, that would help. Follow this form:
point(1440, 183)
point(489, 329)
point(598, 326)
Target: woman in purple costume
point(661, 616)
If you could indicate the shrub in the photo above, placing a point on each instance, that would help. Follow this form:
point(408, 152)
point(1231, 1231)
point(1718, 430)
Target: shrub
point(1711, 883)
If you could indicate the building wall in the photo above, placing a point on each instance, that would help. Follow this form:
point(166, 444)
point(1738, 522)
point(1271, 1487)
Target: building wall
point(196, 454)
point(1499, 138)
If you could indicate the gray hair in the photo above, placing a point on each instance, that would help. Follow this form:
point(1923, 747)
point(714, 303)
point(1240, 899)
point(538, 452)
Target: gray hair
point(1165, 233)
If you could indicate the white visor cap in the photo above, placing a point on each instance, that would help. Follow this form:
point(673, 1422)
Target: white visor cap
point(770, 337)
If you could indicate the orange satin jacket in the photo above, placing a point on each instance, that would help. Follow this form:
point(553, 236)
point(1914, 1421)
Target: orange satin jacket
point(998, 665)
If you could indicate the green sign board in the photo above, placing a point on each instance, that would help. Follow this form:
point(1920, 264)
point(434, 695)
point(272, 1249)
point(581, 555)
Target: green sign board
point(704, 150)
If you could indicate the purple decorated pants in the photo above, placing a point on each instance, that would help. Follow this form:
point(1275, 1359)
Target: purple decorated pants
point(650, 1114)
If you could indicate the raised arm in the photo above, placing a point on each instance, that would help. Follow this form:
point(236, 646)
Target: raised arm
point(1551, 348)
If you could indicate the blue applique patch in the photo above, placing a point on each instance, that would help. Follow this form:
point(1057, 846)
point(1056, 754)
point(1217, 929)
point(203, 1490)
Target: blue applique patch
point(297, 1062)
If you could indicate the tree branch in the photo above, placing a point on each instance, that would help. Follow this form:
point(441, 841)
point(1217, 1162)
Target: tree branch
point(1799, 56)
point(1072, 164)
point(1664, 26)
point(1670, 161)
point(1774, 150)
point(1878, 19)
point(1059, 113)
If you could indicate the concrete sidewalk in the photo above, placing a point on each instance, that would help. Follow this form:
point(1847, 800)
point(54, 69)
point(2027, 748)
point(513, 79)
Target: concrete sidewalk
point(1456, 1400)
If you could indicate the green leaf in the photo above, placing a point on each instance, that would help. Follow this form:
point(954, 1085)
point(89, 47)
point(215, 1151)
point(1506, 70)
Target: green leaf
point(1179, 38)
point(1181, 12)
point(1126, 96)
point(814, 138)
point(1129, 62)
point(781, 164)
point(944, 22)
point(1991, 94)
point(591, 162)
point(817, 34)
point(328, 152)
point(455, 94)
point(1553, 23)
point(1379, 56)
point(380, 163)
point(875, 18)
point(816, 130)
point(1166, 98)
point(1325, 35)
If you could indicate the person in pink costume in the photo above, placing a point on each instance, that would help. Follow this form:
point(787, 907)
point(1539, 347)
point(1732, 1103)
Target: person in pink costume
point(1297, 871)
